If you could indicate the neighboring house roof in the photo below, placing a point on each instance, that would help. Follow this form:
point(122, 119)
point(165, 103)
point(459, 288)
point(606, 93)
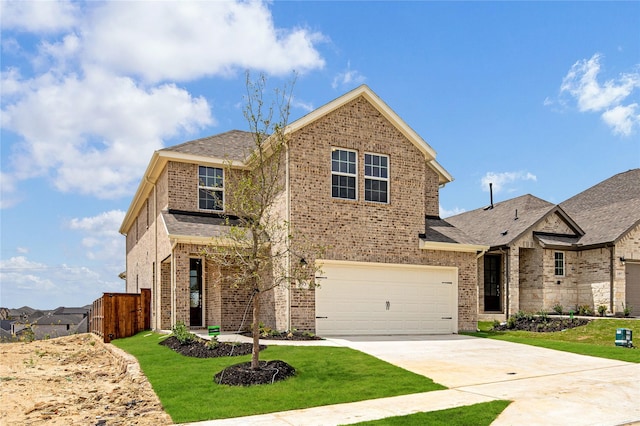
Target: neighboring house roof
point(59, 320)
point(187, 226)
point(608, 210)
point(234, 146)
point(599, 215)
point(71, 311)
point(504, 222)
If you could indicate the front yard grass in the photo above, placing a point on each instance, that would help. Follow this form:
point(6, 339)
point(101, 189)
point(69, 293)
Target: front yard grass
point(595, 339)
point(477, 414)
point(325, 375)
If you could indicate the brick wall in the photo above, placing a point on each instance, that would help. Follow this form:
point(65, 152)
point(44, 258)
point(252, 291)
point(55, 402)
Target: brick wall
point(360, 230)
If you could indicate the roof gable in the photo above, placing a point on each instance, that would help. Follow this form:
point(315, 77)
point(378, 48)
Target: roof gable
point(609, 210)
point(395, 120)
point(505, 222)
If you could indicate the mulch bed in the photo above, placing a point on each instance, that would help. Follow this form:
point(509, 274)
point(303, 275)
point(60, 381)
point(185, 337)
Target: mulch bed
point(243, 375)
point(542, 324)
point(236, 375)
point(198, 349)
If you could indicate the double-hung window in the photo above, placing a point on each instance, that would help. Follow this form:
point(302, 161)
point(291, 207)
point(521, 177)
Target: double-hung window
point(343, 174)
point(376, 178)
point(210, 188)
point(558, 258)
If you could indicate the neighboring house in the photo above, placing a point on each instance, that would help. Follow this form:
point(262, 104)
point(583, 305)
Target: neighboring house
point(59, 322)
point(585, 251)
point(359, 181)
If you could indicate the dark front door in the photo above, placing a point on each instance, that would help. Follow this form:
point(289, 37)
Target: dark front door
point(195, 292)
point(492, 283)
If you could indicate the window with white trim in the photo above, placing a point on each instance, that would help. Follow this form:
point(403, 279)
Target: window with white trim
point(376, 178)
point(210, 188)
point(558, 258)
point(343, 174)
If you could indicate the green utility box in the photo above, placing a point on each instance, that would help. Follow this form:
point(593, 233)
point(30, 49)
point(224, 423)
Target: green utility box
point(624, 337)
point(214, 330)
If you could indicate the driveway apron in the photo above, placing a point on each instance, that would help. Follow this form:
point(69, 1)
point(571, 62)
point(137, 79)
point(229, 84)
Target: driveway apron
point(546, 386)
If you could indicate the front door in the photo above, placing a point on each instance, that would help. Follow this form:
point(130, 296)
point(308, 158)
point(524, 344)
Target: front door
point(195, 292)
point(492, 283)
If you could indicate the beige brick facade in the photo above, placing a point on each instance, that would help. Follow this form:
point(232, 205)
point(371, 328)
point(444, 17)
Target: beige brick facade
point(351, 230)
point(593, 277)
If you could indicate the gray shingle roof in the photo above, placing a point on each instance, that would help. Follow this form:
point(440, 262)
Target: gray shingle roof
point(604, 213)
point(231, 145)
point(488, 226)
point(441, 231)
point(191, 225)
point(607, 210)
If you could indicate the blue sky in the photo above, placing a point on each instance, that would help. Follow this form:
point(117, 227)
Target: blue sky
point(536, 97)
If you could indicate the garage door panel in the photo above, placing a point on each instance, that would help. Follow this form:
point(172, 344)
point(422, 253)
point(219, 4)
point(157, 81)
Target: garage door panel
point(378, 299)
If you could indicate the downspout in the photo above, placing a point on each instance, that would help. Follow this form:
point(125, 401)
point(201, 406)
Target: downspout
point(173, 283)
point(288, 196)
point(612, 276)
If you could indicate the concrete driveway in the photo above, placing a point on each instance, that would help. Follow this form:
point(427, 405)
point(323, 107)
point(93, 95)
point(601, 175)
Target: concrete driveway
point(548, 387)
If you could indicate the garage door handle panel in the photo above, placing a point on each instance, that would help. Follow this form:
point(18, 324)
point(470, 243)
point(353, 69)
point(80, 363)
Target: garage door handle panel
point(321, 317)
point(446, 318)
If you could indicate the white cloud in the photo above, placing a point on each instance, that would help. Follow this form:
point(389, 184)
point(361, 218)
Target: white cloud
point(190, 39)
point(501, 181)
point(102, 239)
point(622, 118)
point(38, 16)
point(94, 134)
point(348, 78)
point(444, 213)
point(42, 286)
point(581, 82)
point(93, 113)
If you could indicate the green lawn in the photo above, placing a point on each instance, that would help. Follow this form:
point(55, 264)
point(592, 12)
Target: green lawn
point(596, 338)
point(325, 375)
point(477, 415)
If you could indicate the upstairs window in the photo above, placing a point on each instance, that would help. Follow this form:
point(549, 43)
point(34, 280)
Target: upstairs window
point(210, 188)
point(559, 263)
point(343, 174)
point(376, 178)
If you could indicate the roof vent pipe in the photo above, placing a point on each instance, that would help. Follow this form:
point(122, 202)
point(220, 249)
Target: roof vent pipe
point(516, 218)
point(491, 193)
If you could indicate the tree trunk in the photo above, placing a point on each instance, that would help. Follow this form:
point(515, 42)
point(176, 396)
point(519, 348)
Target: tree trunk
point(255, 353)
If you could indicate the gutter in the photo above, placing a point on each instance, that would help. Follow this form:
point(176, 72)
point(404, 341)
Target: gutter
point(612, 276)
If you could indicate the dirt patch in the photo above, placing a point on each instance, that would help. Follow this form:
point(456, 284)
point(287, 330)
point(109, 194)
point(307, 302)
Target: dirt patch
point(286, 335)
point(74, 380)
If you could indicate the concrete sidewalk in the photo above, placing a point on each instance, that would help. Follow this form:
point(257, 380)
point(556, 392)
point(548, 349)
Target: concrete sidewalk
point(547, 387)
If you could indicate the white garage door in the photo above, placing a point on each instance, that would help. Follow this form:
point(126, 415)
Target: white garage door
point(382, 299)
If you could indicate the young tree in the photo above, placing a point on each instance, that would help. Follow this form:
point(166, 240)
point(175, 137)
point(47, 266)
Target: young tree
point(260, 251)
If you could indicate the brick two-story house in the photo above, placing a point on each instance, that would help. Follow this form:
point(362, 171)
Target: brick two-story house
point(359, 181)
point(583, 252)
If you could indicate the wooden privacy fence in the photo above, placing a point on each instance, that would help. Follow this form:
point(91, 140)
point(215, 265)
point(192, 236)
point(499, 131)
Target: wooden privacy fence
point(117, 315)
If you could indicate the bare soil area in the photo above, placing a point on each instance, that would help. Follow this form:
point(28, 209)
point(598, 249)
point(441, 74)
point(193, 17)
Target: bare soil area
point(74, 380)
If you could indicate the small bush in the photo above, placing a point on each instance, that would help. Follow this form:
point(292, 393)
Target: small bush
point(182, 333)
point(626, 310)
point(585, 310)
point(543, 315)
point(213, 343)
point(558, 309)
point(602, 309)
point(511, 323)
